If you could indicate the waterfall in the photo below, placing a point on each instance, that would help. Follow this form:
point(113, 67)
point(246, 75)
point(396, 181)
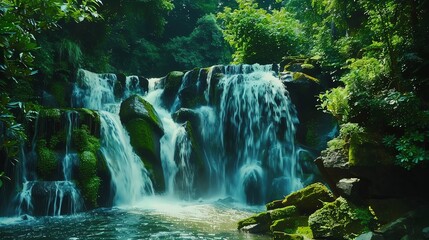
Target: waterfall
point(175, 151)
point(130, 179)
point(247, 137)
point(257, 124)
point(52, 198)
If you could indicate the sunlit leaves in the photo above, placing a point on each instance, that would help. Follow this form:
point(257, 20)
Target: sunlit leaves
point(259, 36)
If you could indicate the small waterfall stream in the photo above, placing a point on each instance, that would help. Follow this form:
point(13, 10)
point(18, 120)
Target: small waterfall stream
point(130, 180)
point(59, 197)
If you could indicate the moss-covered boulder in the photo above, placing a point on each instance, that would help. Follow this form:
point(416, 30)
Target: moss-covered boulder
point(274, 204)
point(340, 220)
point(48, 161)
point(145, 130)
point(259, 223)
point(310, 198)
point(172, 84)
point(282, 213)
point(135, 107)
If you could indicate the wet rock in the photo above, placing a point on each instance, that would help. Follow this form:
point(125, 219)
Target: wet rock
point(340, 220)
point(259, 223)
point(274, 204)
point(351, 188)
point(136, 107)
point(310, 198)
point(281, 213)
point(172, 84)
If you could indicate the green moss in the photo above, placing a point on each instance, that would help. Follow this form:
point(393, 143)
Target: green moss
point(307, 66)
point(90, 190)
point(52, 113)
point(172, 85)
point(263, 218)
point(291, 225)
point(47, 163)
point(87, 165)
point(310, 198)
point(82, 140)
point(340, 220)
point(274, 204)
point(135, 107)
point(285, 212)
point(301, 76)
point(142, 136)
point(305, 230)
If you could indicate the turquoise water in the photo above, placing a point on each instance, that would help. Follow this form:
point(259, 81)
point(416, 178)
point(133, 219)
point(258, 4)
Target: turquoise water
point(151, 219)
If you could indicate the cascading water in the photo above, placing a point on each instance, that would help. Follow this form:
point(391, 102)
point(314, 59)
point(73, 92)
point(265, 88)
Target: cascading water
point(54, 197)
point(257, 124)
point(175, 150)
point(247, 138)
point(130, 179)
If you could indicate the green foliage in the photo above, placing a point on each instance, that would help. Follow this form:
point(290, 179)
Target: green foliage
point(259, 36)
point(205, 46)
point(87, 165)
point(335, 102)
point(347, 132)
point(91, 190)
point(411, 148)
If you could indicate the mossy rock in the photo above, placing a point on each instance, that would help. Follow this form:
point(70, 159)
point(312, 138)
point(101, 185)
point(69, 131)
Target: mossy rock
point(47, 161)
point(90, 191)
point(364, 151)
point(310, 198)
point(50, 113)
point(262, 218)
point(274, 204)
point(302, 76)
point(171, 87)
point(340, 220)
point(143, 137)
point(145, 141)
point(292, 225)
point(285, 212)
point(87, 165)
point(135, 107)
point(82, 140)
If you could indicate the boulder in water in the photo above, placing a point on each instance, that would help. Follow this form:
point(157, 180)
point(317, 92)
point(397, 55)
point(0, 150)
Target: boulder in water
point(145, 130)
point(310, 198)
point(136, 107)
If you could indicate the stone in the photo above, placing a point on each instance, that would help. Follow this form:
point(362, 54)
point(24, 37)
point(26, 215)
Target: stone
point(351, 188)
point(274, 204)
point(279, 213)
point(340, 220)
point(172, 84)
point(136, 107)
point(259, 223)
point(310, 198)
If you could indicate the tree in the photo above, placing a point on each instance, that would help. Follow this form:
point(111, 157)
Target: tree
point(259, 36)
point(205, 46)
